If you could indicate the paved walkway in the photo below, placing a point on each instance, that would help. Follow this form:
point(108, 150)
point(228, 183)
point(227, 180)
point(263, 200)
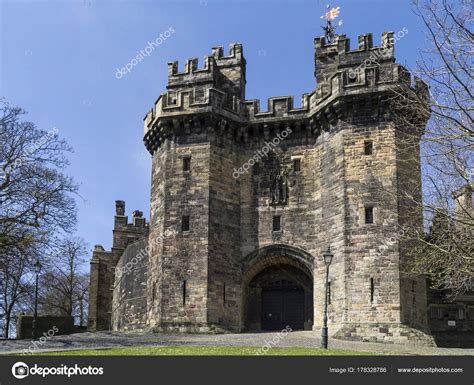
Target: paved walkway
point(294, 339)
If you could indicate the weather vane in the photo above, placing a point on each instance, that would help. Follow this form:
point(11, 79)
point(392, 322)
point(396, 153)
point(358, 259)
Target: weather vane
point(329, 29)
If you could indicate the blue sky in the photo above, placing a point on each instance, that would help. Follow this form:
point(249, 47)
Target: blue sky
point(58, 61)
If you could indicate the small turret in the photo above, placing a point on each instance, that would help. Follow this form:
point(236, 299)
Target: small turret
point(138, 220)
point(226, 73)
point(329, 58)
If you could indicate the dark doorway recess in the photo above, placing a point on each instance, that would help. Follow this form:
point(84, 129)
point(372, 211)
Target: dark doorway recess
point(282, 306)
point(278, 296)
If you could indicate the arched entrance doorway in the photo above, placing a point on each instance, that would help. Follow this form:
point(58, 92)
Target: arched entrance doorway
point(278, 289)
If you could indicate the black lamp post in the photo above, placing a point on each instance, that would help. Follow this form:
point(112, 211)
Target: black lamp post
point(327, 256)
point(37, 266)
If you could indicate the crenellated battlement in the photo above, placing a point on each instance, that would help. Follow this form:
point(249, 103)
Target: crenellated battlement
point(336, 56)
point(348, 82)
point(226, 73)
point(234, 58)
point(277, 107)
point(342, 43)
point(190, 67)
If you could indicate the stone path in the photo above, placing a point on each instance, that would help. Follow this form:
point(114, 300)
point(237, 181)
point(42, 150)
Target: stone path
point(294, 339)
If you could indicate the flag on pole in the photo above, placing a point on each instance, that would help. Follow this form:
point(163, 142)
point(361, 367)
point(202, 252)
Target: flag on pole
point(331, 14)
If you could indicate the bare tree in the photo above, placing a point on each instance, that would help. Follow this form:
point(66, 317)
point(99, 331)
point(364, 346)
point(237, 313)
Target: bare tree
point(65, 284)
point(34, 192)
point(82, 298)
point(16, 281)
point(444, 248)
point(36, 201)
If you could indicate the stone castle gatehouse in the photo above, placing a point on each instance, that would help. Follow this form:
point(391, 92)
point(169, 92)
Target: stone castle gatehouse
point(245, 201)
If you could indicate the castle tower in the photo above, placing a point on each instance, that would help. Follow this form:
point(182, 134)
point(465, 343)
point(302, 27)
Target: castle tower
point(244, 201)
point(463, 207)
point(191, 133)
point(103, 264)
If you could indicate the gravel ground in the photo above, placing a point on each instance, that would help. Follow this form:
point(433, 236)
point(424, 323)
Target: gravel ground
point(293, 339)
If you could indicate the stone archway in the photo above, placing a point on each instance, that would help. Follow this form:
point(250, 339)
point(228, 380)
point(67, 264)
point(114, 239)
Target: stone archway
point(277, 289)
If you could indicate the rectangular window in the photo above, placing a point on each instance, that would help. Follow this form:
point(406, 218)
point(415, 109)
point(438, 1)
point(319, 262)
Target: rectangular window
point(187, 163)
point(296, 165)
point(277, 223)
point(199, 93)
point(461, 313)
point(171, 98)
point(436, 312)
point(368, 147)
point(185, 223)
point(369, 215)
point(184, 293)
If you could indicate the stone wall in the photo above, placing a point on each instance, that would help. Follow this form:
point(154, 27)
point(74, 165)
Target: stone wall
point(46, 325)
point(101, 283)
point(102, 272)
point(370, 181)
point(179, 262)
point(224, 280)
point(129, 292)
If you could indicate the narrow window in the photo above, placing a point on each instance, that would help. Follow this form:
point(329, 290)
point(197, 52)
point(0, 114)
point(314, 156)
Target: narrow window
point(277, 223)
point(296, 165)
point(153, 293)
point(223, 293)
point(256, 168)
point(437, 312)
point(171, 98)
point(199, 94)
point(368, 147)
point(186, 163)
point(185, 223)
point(329, 292)
point(371, 290)
point(461, 313)
point(184, 293)
point(369, 215)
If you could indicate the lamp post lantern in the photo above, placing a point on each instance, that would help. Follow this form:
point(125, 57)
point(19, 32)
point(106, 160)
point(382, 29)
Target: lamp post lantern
point(327, 257)
point(37, 266)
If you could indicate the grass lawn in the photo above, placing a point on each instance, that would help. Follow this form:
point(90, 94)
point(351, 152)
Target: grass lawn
point(203, 351)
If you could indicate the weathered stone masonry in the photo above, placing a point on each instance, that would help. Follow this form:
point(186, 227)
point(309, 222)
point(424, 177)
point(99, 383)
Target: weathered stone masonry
point(217, 274)
point(103, 298)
